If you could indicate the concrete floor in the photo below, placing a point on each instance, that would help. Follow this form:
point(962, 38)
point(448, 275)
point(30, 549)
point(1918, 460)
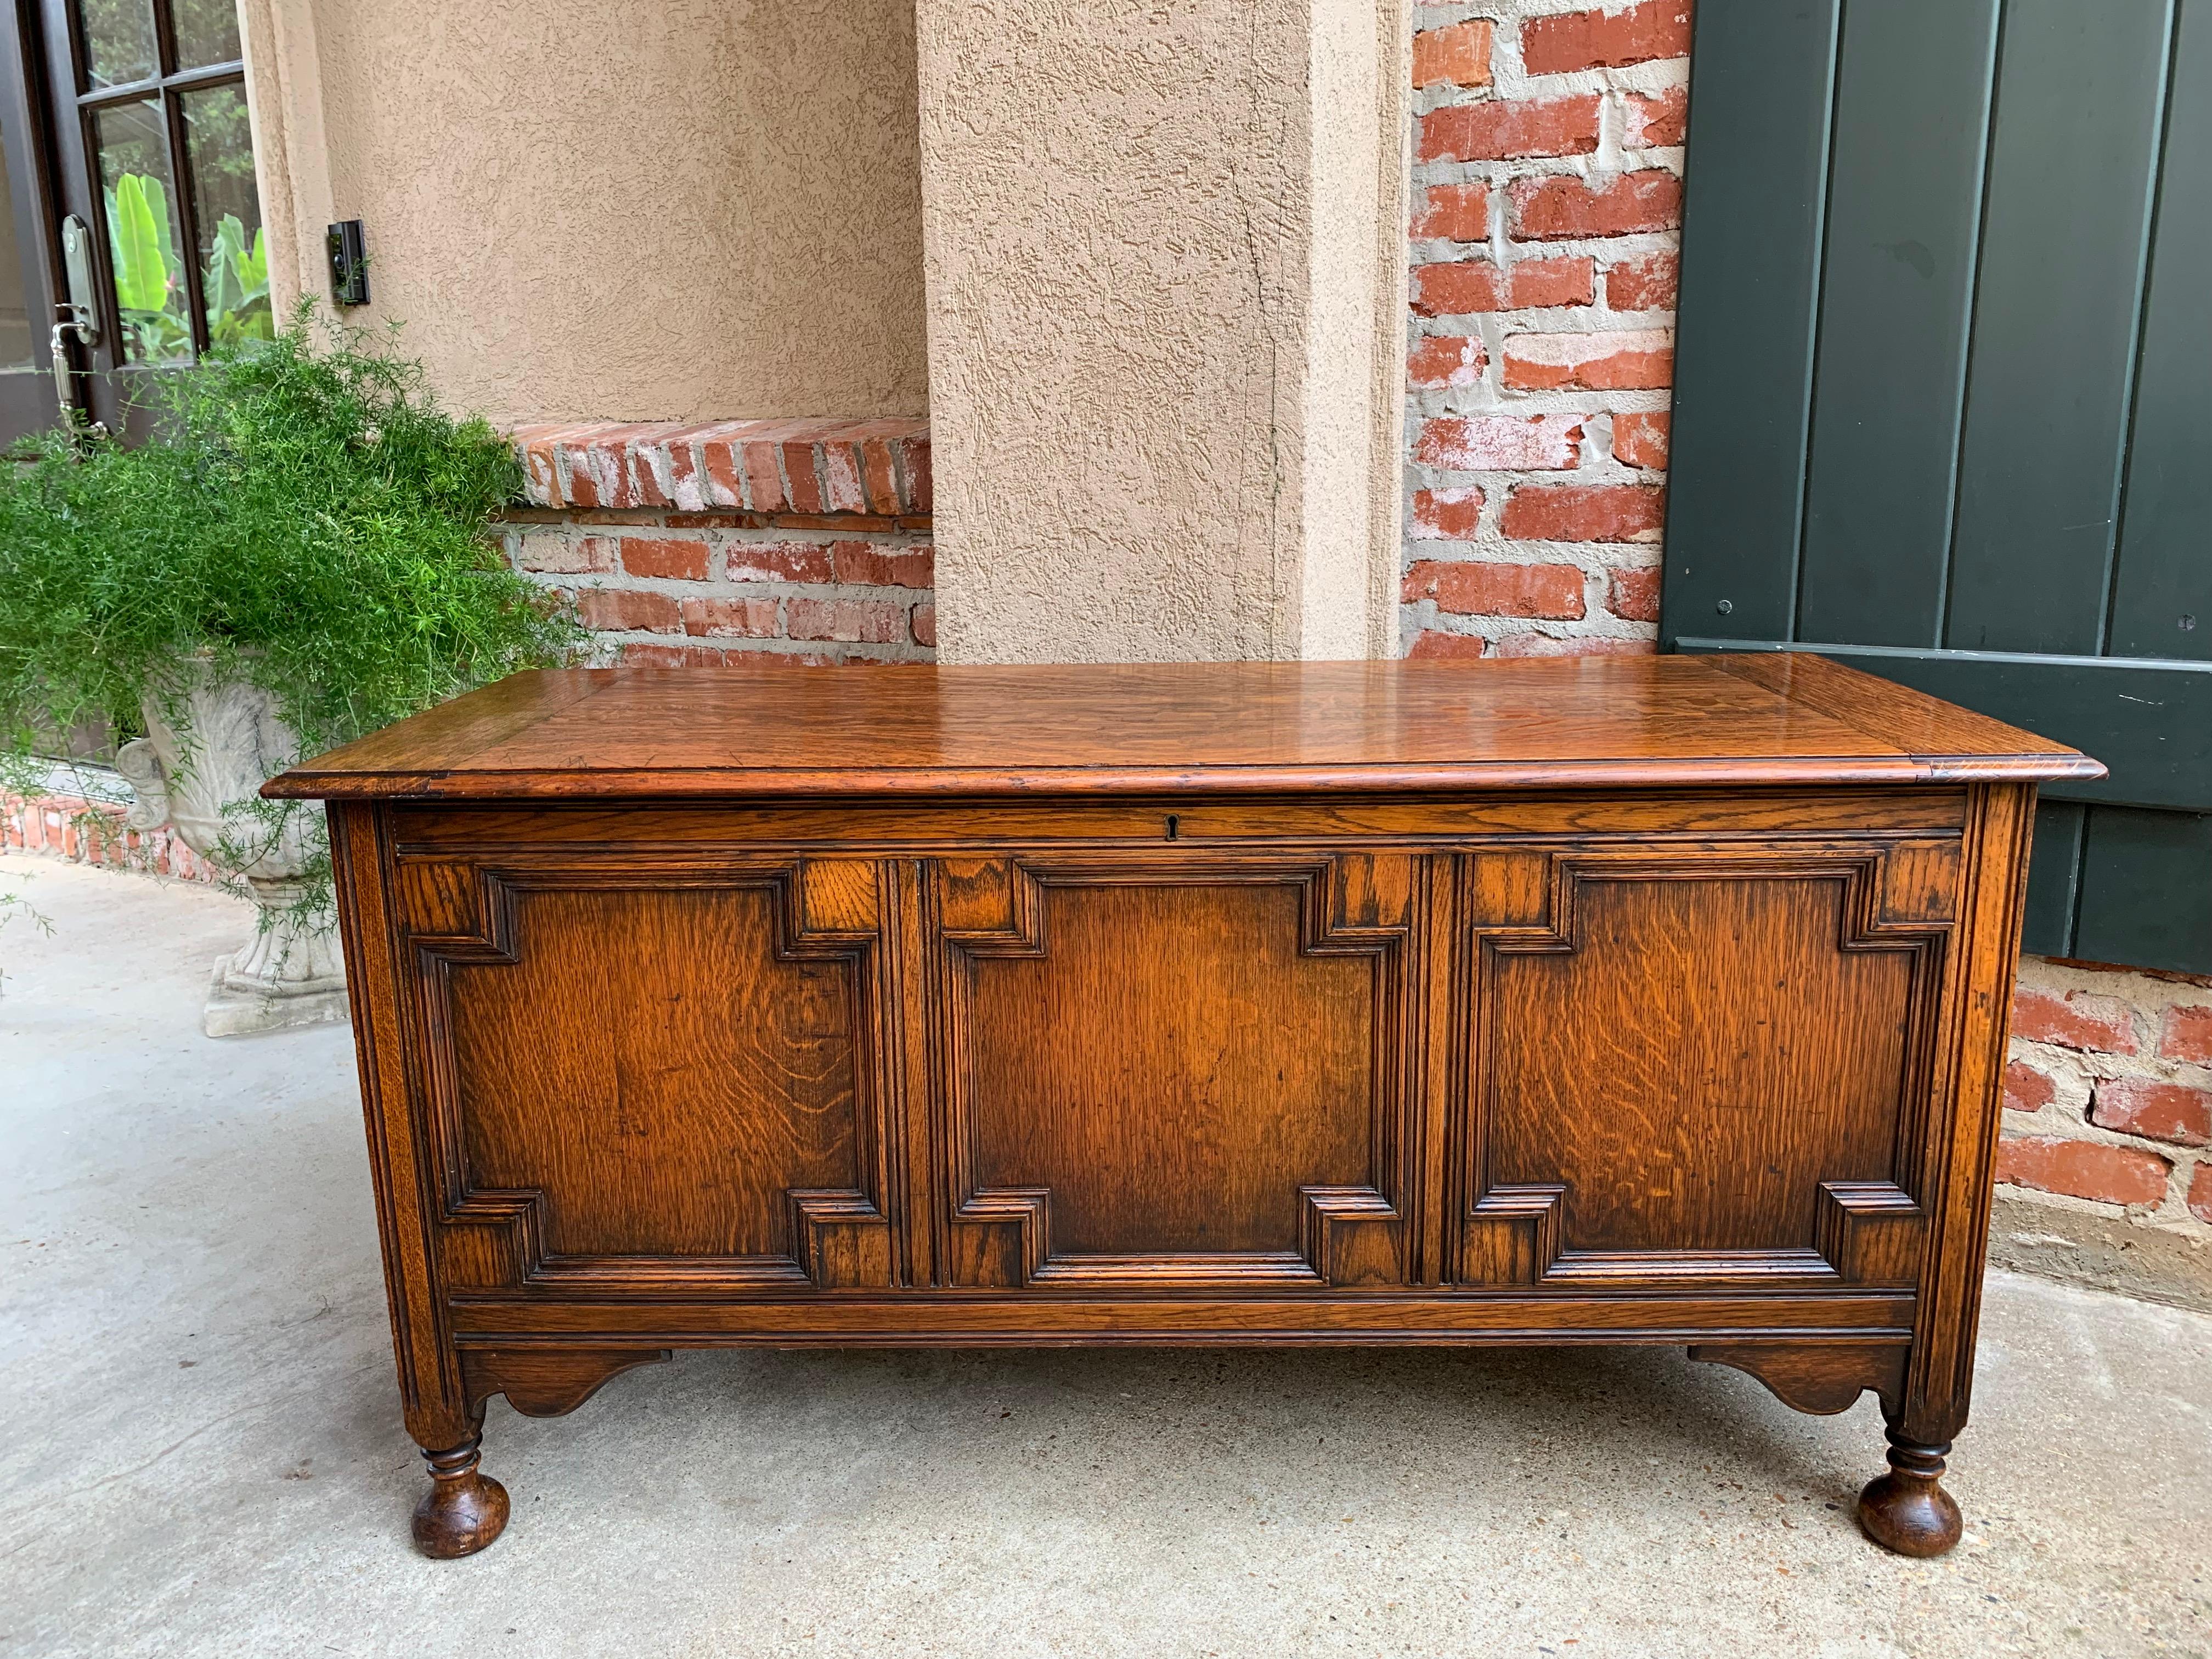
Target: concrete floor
point(203, 1451)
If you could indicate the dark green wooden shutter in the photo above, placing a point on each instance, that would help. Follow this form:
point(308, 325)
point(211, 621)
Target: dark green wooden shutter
point(1943, 398)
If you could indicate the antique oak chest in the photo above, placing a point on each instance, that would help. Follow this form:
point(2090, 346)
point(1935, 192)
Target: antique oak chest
point(1622, 999)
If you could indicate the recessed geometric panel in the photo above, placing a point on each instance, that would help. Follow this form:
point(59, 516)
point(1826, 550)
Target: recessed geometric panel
point(1173, 1068)
point(1702, 1060)
point(650, 1064)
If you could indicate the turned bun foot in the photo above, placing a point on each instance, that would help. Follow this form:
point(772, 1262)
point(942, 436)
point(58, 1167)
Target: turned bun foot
point(1907, 1510)
point(464, 1510)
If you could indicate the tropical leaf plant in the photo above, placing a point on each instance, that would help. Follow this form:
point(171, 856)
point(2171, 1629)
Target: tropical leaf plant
point(234, 279)
point(237, 285)
point(138, 236)
point(157, 209)
point(141, 253)
point(224, 284)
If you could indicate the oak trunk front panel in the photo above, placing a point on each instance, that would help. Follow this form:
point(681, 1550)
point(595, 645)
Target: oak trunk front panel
point(1703, 1068)
point(1176, 1057)
point(674, 1070)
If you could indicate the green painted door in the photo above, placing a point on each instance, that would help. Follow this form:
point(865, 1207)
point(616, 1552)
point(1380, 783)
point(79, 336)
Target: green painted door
point(1943, 401)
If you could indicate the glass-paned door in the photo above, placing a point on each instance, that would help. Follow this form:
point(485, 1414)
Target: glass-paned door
point(29, 401)
point(152, 148)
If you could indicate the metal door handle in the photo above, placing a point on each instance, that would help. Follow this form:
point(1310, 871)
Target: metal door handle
point(74, 319)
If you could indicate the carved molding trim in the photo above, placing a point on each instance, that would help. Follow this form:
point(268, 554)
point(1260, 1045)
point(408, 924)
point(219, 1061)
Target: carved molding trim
point(490, 1239)
point(546, 1381)
point(843, 1238)
point(1349, 1235)
point(1872, 1232)
point(1000, 1238)
point(1821, 1378)
point(1738, 1269)
point(1895, 895)
point(1513, 1236)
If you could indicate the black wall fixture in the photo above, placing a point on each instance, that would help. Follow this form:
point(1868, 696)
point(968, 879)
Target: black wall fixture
point(349, 255)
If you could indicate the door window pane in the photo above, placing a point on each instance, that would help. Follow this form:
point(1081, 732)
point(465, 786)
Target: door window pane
point(207, 32)
point(14, 308)
point(143, 247)
point(234, 253)
point(118, 40)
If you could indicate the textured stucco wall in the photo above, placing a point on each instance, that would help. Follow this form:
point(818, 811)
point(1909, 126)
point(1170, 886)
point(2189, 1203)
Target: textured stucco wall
point(694, 209)
point(1353, 416)
point(1153, 385)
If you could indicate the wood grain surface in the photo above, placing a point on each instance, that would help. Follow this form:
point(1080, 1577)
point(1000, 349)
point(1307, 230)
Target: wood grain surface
point(1303, 1003)
point(1705, 1055)
point(649, 1065)
point(1173, 1069)
point(1175, 727)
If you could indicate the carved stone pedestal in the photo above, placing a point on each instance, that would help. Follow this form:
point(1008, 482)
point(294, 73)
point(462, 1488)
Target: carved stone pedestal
point(289, 974)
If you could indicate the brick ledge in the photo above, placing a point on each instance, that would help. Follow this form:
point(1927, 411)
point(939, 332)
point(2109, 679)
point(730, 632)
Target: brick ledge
point(825, 465)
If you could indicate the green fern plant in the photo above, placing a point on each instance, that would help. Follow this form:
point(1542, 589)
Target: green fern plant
point(310, 520)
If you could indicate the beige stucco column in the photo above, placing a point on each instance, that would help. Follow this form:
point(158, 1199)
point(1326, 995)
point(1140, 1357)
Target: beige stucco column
point(1164, 258)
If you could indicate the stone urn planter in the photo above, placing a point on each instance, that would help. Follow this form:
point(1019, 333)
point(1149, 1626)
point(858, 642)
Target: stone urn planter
point(203, 783)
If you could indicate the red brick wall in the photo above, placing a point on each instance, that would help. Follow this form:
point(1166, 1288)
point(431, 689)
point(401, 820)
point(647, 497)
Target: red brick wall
point(804, 542)
point(85, 831)
point(1546, 199)
point(2108, 1097)
point(675, 588)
